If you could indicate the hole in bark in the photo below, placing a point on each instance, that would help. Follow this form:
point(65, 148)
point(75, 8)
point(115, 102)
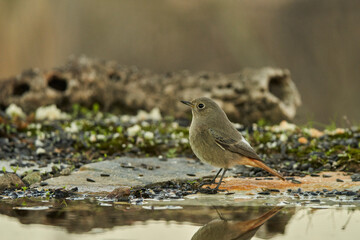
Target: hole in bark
point(114, 76)
point(277, 86)
point(57, 83)
point(20, 89)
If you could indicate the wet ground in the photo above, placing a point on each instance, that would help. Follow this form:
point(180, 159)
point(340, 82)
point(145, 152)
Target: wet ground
point(89, 175)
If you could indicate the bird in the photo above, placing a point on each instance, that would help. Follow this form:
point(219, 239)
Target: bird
point(215, 140)
point(233, 229)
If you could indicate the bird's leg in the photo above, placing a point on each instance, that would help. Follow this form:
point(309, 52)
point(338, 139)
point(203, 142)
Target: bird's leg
point(212, 181)
point(219, 213)
point(222, 176)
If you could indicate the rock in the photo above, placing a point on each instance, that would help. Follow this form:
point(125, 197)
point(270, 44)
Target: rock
point(355, 177)
point(246, 96)
point(32, 178)
point(65, 172)
point(50, 112)
point(40, 151)
point(125, 172)
point(285, 126)
point(15, 111)
point(10, 181)
point(39, 143)
point(302, 140)
point(314, 133)
point(120, 193)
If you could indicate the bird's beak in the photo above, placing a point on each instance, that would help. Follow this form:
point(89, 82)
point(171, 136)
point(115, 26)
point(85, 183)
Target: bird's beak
point(187, 103)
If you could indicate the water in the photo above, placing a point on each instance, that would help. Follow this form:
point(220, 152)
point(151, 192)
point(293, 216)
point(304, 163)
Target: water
point(91, 219)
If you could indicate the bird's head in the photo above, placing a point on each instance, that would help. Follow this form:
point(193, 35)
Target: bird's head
point(204, 108)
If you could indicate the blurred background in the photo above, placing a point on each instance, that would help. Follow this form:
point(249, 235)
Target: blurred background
point(317, 40)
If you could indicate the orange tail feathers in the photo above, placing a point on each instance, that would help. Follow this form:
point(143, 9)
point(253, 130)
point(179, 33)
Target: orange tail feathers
point(260, 164)
point(255, 223)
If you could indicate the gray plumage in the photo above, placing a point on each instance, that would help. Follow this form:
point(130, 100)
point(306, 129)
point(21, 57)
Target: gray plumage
point(215, 140)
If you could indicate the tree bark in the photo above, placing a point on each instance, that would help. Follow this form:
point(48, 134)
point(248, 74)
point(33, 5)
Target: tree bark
point(246, 96)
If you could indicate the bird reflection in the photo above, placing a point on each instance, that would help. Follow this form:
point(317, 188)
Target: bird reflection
point(231, 229)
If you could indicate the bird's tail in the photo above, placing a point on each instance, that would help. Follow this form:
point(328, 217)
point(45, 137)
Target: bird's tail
point(261, 164)
point(263, 218)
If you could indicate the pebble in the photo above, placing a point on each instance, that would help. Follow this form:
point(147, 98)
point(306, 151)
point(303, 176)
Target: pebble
point(104, 175)
point(302, 140)
point(61, 193)
point(350, 193)
point(295, 181)
point(264, 193)
point(38, 143)
point(90, 180)
point(191, 175)
point(330, 195)
point(161, 158)
point(355, 177)
point(230, 193)
point(65, 172)
point(339, 180)
point(126, 166)
point(40, 151)
point(274, 190)
point(326, 176)
point(43, 184)
point(268, 178)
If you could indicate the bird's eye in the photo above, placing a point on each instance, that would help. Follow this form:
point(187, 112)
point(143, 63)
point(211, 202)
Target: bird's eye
point(201, 106)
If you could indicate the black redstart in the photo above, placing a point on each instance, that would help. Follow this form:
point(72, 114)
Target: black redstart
point(215, 140)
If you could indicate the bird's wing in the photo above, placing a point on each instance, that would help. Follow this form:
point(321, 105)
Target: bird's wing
point(238, 145)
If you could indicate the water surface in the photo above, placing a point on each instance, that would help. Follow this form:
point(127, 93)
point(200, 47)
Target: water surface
point(90, 219)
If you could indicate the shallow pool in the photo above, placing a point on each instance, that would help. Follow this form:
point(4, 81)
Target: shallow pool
point(91, 219)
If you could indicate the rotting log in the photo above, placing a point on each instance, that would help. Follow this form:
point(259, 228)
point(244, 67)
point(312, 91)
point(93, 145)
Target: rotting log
point(246, 96)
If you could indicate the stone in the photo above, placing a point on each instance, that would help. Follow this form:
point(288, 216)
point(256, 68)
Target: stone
point(246, 96)
point(14, 111)
point(32, 178)
point(302, 140)
point(355, 177)
point(314, 133)
point(65, 171)
point(10, 181)
point(120, 193)
point(40, 151)
point(129, 172)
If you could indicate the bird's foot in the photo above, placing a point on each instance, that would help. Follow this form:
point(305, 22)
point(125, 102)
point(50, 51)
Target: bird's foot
point(204, 183)
point(208, 190)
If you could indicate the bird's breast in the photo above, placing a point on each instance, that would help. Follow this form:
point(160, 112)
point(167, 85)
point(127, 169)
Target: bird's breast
point(206, 149)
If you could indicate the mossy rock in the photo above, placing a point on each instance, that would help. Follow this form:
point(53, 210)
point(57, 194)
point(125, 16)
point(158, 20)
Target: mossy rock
point(10, 181)
point(32, 178)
